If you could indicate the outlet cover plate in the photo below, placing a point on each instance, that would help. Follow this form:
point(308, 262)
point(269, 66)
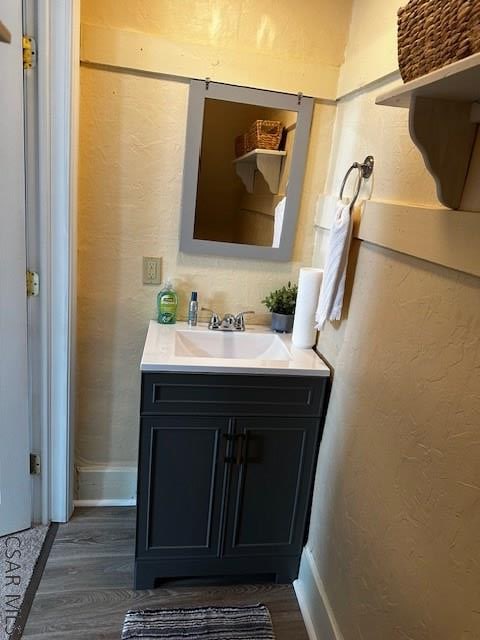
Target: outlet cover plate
point(152, 270)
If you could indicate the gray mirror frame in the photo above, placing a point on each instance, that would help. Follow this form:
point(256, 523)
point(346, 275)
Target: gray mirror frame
point(199, 91)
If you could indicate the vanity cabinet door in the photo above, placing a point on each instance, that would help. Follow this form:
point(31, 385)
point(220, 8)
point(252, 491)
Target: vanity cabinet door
point(180, 486)
point(271, 486)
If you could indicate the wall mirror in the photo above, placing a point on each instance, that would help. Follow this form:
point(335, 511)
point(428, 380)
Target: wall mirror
point(245, 157)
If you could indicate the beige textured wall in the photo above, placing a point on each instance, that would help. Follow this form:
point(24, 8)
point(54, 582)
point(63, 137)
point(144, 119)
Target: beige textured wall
point(304, 31)
point(371, 50)
point(132, 133)
point(396, 519)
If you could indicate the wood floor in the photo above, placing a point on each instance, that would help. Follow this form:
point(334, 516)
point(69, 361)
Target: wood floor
point(86, 588)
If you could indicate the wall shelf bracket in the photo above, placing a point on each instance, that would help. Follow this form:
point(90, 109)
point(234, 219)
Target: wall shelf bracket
point(444, 116)
point(268, 162)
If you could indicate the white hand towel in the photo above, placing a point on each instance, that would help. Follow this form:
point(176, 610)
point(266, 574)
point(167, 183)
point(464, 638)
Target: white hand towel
point(333, 285)
point(278, 222)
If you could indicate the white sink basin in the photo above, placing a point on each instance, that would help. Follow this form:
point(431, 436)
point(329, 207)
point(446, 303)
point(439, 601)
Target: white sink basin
point(222, 344)
point(257, 350)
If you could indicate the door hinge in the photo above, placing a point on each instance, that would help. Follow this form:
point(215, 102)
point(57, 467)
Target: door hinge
point(35, 464)
point(33, 283)
point(29, 52)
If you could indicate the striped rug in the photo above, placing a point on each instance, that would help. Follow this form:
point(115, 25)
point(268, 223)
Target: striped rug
point(200, 623)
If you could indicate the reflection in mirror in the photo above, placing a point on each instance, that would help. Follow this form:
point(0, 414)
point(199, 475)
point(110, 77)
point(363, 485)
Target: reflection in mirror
point(243, 175)
point(245, 156)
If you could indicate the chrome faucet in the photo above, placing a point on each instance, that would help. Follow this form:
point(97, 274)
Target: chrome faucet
point(229, 322)
point(240, 320)
point(214, 322)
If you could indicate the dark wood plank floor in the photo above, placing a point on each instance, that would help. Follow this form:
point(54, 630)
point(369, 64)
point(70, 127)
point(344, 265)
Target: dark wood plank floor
point(86, 588)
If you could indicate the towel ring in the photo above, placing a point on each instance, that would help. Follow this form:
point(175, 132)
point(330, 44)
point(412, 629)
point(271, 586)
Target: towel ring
point(365, 171)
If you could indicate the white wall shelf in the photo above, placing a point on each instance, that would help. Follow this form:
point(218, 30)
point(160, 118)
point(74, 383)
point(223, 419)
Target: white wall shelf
point(444, 116)
point(459, 81)
point(268, 162)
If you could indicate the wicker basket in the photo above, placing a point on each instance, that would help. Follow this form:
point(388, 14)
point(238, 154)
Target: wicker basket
point(435, 33)
point(262, 134)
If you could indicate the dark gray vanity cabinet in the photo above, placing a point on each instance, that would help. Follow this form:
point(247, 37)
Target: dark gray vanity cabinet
point(183, 477)
point(269, 491)
point(226, 467)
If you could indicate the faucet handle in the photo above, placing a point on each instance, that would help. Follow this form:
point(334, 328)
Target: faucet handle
point(240, 320)
point(214, 321)
point(228, 322)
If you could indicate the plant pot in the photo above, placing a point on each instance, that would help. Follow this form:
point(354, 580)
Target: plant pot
point(282, 323)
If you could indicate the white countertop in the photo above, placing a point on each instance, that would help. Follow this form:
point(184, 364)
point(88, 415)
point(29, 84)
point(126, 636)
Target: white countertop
point(161, 353)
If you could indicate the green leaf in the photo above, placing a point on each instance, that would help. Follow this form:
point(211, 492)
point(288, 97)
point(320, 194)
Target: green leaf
point(282, 300)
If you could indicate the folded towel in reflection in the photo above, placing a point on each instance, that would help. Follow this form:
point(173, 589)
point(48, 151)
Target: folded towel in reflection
point(335, 270)
point(278, 222)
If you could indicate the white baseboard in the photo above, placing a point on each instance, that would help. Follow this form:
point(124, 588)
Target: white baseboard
point(105, 503)
point(313, 601)
point(106, 485)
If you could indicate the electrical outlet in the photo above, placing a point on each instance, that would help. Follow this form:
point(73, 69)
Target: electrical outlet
point(152, 272)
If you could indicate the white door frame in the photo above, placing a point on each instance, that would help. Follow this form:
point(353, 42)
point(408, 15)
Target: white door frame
point(57, 30)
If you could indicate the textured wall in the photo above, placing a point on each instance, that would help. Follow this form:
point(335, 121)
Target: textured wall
point(371, 50)
point(132, 133)
point(363, 128)
point(396, 518)
point(304, 31)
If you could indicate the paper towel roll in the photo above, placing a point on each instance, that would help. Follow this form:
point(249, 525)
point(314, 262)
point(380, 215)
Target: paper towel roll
point(309, 283)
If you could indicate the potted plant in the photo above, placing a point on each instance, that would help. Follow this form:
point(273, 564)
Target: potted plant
point(281, 303)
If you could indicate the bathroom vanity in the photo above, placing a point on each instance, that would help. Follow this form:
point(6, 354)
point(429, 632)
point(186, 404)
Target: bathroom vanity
point(230, 425)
